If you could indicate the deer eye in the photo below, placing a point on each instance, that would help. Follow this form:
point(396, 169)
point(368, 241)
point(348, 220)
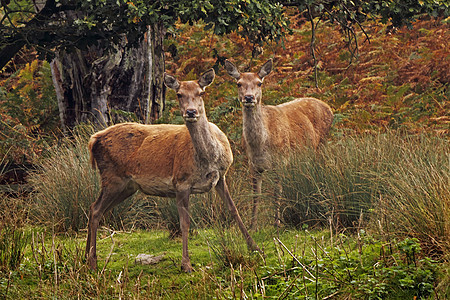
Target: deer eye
point(202, 93)
point(179, 95)
point(259, 83)
point(239, 85)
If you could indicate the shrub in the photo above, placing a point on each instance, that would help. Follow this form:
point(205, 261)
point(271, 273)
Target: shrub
point(29, 112)
point(332, 184)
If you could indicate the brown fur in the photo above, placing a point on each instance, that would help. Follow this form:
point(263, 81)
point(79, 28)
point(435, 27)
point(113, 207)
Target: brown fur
point(273, 132)
point(296, 124)
point(153, 154)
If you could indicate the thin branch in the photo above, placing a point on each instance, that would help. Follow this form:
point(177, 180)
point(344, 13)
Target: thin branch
point(312, 44)
point(295, 258)
point(359, 24)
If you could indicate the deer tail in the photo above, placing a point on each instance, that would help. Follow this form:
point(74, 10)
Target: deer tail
point(91, 144)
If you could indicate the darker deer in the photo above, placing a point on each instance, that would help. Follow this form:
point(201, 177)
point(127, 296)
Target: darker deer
point(272, 132)
point(163, 160)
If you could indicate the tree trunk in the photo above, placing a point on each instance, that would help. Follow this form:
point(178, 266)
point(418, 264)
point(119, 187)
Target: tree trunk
point(157, 89)
point(107, 88)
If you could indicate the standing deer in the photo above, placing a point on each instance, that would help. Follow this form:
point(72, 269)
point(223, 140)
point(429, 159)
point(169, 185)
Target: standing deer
point(271, 132)
point(163, 160)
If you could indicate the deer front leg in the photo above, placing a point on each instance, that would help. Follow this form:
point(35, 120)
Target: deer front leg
point(185, 221)
point(257, 183)
point(222, 190)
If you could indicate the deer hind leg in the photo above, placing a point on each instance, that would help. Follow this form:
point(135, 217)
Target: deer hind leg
point(222, 190)
point(112, 193)
point(185, 221)
point(257, 183)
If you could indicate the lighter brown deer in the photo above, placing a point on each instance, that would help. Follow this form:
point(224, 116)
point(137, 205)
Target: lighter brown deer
point(272, 132)
point(163, 160)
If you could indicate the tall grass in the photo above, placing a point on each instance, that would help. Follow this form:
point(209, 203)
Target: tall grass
point(416, 197)
point(65, 185)
point(14, 236)
point(401, 180)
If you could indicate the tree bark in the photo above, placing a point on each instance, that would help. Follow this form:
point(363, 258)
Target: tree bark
point(107, 88)
point(157, 89)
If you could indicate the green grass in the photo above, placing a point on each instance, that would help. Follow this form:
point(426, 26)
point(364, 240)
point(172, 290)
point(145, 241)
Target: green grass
point(296, 265)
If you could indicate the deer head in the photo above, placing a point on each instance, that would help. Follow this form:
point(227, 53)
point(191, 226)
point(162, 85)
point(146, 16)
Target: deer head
point(190, 93)
point(249, 84)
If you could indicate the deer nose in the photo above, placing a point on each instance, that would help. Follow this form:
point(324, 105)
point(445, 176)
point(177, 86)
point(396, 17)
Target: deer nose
point(249, 98)
point(191, 113)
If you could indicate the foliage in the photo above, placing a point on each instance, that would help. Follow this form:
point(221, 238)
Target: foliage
point(28, 110)
point(400, 79)
point(351, 14)
point(104, 22)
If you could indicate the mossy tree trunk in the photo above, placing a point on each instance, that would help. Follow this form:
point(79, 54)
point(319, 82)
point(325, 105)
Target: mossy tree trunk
point(109, 87)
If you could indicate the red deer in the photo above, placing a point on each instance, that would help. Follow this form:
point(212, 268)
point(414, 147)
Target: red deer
point(270, 132)
point(163, 160)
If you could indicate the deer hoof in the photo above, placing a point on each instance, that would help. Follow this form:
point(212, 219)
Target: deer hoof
point(187, 268)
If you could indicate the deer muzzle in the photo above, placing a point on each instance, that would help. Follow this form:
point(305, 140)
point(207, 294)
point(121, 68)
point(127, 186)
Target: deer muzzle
point(191, 115)
point(249, 101)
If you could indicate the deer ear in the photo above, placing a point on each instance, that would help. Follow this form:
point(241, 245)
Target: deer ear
point(266, 69)
point(171, 82)
point(232, 70)
point(207, 78)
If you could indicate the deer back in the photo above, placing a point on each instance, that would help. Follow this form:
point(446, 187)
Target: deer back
point(298, 123)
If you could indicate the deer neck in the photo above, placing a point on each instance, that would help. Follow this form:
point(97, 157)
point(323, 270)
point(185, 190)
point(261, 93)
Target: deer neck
point(206, 146)
point(255, 132)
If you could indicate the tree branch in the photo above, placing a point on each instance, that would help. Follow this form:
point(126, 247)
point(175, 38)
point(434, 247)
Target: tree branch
point(17, 41)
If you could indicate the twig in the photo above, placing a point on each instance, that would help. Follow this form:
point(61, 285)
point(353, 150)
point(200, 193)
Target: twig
point(282, 295)
point(295, 258)
point(330, 296)
point(110, 252)
point(279, 257)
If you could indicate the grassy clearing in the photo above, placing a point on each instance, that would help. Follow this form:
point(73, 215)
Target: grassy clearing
point(296, 265)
